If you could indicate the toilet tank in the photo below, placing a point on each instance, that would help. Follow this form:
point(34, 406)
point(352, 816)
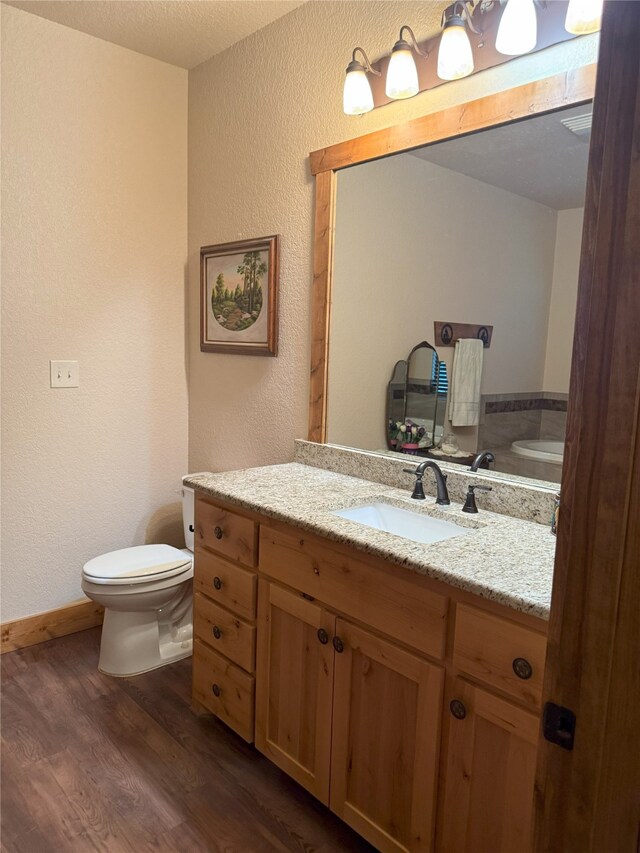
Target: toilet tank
point(188, 515)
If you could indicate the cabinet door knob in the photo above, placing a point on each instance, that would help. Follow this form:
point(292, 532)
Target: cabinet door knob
point(217, 583)
point(338, 645)
point(217, 633)
point(217, 532)
point(522, 668)
point(215, 688)
point(457, 709)
point(323, 636)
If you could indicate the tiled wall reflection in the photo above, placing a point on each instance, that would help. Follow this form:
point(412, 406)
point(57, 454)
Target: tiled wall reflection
point(514, 417)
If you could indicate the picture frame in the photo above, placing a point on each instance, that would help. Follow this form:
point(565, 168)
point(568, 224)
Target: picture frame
point(239, 297)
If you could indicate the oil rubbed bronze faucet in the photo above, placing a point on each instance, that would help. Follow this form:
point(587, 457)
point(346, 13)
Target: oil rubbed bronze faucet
point(441, 482)
point(480, 458)
point(470, 502)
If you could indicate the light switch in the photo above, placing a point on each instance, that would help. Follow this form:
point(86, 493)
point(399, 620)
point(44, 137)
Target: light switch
point(65, 374)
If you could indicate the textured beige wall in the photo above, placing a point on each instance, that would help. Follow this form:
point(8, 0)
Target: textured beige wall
point(416, 243)
point(255, 112)
point(93, 247)
point(564, 296)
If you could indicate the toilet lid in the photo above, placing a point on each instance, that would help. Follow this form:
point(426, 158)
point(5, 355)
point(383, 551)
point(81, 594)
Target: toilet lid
point(138, 564)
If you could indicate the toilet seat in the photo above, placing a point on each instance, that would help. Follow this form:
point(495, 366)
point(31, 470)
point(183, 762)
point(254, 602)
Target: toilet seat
point(141, 564)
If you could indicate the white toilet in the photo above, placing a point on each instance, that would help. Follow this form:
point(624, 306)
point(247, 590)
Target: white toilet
point(147, 596)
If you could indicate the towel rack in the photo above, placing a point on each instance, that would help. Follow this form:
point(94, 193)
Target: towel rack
point(448, 334)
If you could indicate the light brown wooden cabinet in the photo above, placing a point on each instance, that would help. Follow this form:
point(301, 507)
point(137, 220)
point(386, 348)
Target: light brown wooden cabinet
point(295, 686)
point(356, 667)
point(224, 612)
point(385, 740)
point(352, 717)
point(490, 771)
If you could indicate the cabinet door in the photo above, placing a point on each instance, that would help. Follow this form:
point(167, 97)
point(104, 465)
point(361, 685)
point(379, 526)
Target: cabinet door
point(386, 731)
point(294, 686)
point(491, 762)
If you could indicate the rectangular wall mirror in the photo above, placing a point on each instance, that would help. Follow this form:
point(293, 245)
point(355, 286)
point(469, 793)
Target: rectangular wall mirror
point(483, 229)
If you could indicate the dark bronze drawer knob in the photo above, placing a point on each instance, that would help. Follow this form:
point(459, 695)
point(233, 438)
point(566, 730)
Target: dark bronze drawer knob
point(217, 633)
point(522, 668)
point(215, 688)
point(457, 709)
point(338, 645)
point(217, 583)
point(217, 532)
point(323, 636)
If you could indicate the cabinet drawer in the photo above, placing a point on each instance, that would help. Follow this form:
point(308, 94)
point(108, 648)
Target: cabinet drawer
point(223, 689)
point(226, 532)
point(499, 652)
point(390, 602)
point(226, 583)
point(225, 632)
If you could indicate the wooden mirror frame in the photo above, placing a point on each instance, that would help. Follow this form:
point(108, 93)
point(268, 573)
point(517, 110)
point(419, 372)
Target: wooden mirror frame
point(542, 96)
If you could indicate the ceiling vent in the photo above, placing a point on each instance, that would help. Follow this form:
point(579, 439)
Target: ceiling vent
point(580, 126)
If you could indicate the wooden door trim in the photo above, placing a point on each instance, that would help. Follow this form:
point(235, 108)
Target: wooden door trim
point(542, 96)
point(587, 798)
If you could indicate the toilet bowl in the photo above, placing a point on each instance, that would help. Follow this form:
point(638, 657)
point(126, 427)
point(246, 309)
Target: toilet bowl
point(146, 592)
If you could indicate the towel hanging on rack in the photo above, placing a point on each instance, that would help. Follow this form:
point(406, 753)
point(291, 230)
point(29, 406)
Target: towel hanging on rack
point(463, 403)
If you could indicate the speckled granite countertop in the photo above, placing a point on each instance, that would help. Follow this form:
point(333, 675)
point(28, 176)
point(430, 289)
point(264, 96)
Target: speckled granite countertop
point(504, 559)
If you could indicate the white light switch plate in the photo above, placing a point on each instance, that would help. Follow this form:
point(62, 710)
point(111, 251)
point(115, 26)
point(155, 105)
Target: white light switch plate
point(65, 374)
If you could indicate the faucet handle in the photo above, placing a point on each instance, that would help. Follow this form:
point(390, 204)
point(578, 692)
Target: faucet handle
point(418, 489)
point(470, 501)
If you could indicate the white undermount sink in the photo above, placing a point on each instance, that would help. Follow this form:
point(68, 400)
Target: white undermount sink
point(403, 522)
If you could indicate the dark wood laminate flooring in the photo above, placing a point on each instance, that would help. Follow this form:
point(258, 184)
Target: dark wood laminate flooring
point(97, 763)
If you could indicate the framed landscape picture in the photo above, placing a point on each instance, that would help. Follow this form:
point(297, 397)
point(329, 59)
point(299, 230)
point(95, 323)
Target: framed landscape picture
point(239, 297)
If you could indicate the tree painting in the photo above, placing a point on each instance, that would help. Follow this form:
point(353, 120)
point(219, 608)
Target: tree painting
point(237, 308)
point(220, 288)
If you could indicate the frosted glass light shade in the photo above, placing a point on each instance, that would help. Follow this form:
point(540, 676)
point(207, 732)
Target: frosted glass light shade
point(402, 75)
point(357, 97)
point(455, 59)
point(583, 17)
point(518, 30)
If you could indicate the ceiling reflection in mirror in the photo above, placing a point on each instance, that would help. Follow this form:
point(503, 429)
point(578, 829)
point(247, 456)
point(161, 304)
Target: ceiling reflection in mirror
point(483, 230)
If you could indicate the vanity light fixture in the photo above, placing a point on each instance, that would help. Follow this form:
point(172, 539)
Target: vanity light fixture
point(357, 97)
point(518, 30)
point(402, 74)
point(504, 28)
point(583, 17)
point(455, 58)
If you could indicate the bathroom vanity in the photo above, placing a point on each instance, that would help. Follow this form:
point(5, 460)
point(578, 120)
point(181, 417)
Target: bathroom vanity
point(398, 682)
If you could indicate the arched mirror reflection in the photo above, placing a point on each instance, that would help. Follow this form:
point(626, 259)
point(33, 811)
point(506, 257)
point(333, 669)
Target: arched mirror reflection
point(416, 401)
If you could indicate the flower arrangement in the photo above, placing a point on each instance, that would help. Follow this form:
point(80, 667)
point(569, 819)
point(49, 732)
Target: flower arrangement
point(403, 434)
